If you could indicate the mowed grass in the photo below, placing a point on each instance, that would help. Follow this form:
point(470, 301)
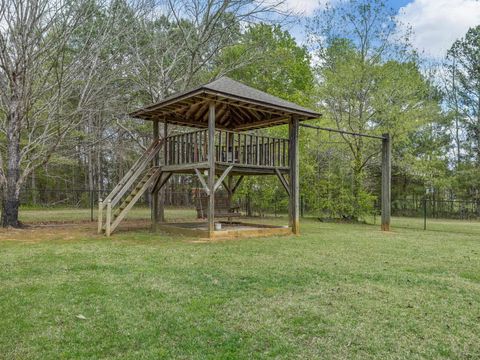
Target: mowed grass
point(338, 291)
point(72, 214)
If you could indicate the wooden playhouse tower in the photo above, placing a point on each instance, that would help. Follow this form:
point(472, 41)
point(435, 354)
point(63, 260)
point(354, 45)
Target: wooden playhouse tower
point(221, 150)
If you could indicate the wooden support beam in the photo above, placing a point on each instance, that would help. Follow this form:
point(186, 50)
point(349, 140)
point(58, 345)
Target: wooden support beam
point(202, 112)
point(194, 108)
point(294, 176)
point(283, 181)
point(202, 181)
point(162, 179)
point(161, 206)
point(154, 210)
point(237, 184)
point(272, 122)
point(226, 185)
point(211, 170)
point(221, 111)
point(108, 220)
point(222, 177)
point(185, 167)
point(386, 181)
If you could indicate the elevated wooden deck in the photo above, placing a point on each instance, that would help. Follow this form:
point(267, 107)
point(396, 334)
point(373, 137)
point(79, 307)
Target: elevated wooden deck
point(247, 154)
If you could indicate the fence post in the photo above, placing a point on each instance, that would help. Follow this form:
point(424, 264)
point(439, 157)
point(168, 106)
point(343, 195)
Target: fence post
point(108, 218)
point(302, 206)
point(91, 205)
point(424, 213)
point(386, 182)
point(100, 213)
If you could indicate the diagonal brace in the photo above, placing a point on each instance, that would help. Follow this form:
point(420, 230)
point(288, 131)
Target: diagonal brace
point(202, 181)
point(237, 184)
point(222, 177)
point(161, 181)
point(283, 181)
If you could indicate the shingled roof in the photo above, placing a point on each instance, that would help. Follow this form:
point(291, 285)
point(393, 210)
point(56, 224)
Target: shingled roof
point(239, 107)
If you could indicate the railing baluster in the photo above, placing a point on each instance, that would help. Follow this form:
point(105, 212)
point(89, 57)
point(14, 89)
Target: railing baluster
point(174, 139)
point(274, 155)
point(177, 150)
point(278, 152)
point(249, 154)
point(220, 157)
point(268, 152)
point(185, 148)
point(190, 147)
point(230, 147)
point(183, 152)
point(226, 146)
point(203, 146)
point(180, 148)
point(239, 148)
point(172, 152)
point(169, 150)
point(257, 151)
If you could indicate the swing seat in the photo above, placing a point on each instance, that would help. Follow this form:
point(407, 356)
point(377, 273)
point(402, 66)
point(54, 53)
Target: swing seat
point(222, 207)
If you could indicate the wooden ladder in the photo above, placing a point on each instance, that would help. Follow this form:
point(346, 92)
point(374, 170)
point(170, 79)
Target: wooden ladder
point(134, 184)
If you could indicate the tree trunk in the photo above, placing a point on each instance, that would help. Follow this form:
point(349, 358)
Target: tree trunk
point(34, 189)
point(11, 189)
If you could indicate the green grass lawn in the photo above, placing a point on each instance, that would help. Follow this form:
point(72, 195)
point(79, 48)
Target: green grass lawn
point(337, 291)
point(73, 214)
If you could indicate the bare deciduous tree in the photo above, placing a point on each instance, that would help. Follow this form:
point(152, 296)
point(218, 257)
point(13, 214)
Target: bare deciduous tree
point(47, 79)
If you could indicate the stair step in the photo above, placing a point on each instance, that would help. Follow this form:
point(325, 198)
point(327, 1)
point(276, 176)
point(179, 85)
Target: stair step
point(144, 175)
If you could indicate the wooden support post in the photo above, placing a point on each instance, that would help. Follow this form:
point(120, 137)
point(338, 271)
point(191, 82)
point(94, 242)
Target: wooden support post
point(228, 187)
point(155, 162)
point(294, 176)
point(386, 182)
point(108, 220)
point(211, 168)
point(161, 202)
point(100, 213)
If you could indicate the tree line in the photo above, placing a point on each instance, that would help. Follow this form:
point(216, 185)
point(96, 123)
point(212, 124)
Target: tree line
point(71, 70)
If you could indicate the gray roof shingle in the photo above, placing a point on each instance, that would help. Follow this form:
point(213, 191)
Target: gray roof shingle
point(236, 88)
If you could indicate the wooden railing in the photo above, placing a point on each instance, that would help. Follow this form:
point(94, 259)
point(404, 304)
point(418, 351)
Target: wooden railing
point(230, 147)
point(187, 148)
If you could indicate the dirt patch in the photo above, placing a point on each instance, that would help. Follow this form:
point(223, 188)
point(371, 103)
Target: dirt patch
point(62, 230)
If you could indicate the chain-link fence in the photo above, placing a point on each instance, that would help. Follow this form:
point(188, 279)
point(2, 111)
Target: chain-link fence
point(437, 209)
point(462, 216)
point(84, 202)
point(421, 213)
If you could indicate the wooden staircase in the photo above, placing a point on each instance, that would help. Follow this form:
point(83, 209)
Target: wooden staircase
point(129, 190)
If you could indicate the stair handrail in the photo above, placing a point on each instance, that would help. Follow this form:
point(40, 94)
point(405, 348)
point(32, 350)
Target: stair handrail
point(148, 173)
point(136, 174)
point(132, 202)
point(129, 173)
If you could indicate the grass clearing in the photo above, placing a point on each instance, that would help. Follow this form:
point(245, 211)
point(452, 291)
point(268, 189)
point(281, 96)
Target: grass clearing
point(337, 291)
point(76, 215)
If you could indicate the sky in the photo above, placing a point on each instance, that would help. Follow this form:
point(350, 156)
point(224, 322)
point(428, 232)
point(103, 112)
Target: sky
point(436, 24)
